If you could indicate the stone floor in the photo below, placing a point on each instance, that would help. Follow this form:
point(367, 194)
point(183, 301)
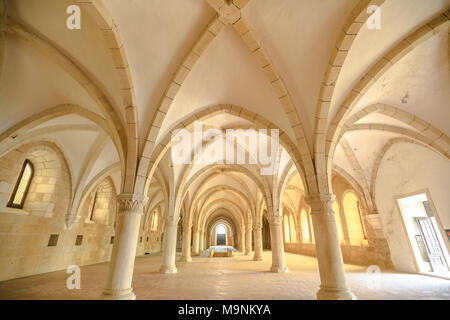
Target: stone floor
point(228, 278)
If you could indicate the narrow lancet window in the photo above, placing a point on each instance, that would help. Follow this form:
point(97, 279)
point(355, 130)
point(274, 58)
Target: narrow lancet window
point(23, 184)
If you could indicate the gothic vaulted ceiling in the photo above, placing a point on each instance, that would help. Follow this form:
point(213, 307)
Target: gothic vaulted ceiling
point(137, 69)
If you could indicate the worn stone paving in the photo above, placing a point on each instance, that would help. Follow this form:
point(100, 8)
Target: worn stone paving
point(228, 278)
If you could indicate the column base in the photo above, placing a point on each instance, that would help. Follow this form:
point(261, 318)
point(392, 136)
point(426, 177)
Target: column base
point(125, 294)
point(279, 269)
point(328, 293)
point(186, 259)
point(257, 258)
point(195, 254)
point(168, 269)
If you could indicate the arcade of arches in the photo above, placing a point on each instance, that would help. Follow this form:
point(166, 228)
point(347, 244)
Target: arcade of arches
point(348, 166)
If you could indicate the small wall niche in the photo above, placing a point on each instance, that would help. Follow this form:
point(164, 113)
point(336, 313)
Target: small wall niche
point(79, 240)
point(53, 240)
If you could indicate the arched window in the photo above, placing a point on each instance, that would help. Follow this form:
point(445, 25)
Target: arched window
point(293, 231)
point(221, 229)
point(305, 226)
point(338, 221)
point(353, 219)
point(22, 186)
point(287, 234)
point(103, 207)
point(221, 235)
point(154, 224)
point(91, 217)
point(311, 228)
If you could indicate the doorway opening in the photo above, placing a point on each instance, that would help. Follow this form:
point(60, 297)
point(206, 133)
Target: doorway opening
point(422, 227)
point(221, 235)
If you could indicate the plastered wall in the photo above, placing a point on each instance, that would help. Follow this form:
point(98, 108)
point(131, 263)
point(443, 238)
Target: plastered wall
point(409, 168)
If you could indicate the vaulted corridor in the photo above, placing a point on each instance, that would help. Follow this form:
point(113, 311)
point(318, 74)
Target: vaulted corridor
point(312, 137)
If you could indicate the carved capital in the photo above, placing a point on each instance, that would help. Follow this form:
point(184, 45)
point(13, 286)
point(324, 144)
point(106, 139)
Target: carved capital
point(277, 220)
point(321, 203)
point(172, 221)
point(131, 203)
point(257, 226)
point(187, 225)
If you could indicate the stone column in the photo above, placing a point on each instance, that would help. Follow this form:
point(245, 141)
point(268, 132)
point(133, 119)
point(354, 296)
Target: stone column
point(201, 242)
point(331, 267)
point(242, 241)
point(257, 234)
point(248, 240)
point(276, 233)
point(298, 230)
point(186, 243)
point(170, 246)
point(120, 274)
point(195, 243)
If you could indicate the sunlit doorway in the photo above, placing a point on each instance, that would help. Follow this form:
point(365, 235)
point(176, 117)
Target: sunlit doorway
point(424, 234)
point(221, 235)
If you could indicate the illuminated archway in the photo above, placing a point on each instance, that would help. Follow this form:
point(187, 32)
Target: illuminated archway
point(353, 218)
point(221, 235)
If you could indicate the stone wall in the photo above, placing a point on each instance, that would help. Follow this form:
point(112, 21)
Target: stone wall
point(150, 240)
point(25, 233)
point(306, 249)
point(373, 251)
point(427, 171)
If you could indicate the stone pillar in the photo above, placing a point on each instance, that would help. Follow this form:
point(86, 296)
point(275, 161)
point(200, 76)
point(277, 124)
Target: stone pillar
point(201, 242)
point(242, 241)
point(170, 246)
point(186, 243)
point(331, 267)
point(248, 241)
point(120, 274)
point(195, 243)
point(277, 241)
point(298, 231)
point(257, 234)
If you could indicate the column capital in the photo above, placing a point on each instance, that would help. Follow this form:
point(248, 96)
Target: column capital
point(172, 221)
point(187, 224)
point(131, 203)
point(321, 203)
point(257, 226)
point(276, 220)
point(274, 209)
